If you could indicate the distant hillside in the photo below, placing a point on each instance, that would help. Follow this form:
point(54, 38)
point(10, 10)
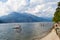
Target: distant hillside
point(1, 21)
point(23, 17)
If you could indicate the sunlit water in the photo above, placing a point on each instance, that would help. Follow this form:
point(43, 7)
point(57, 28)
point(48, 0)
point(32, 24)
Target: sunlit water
point(28, 32)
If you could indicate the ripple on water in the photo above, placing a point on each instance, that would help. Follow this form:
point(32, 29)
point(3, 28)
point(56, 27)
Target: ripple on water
point(28, 32)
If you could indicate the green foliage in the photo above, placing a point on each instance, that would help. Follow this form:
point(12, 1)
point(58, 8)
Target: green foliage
point(56, 17)
point(58, 3)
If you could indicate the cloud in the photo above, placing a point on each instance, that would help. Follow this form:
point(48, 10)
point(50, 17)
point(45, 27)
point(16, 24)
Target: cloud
point(16, 4)
point(41, 9)
point(49, 12)
point(37, 1)
point(3, 9)
point(10, 6)
point(34, 7)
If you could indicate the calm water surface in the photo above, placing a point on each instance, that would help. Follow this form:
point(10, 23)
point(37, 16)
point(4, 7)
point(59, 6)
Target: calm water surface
point(28, 32)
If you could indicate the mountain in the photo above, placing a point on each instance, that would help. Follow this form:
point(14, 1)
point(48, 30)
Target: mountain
point(2, 21)
point(22, 17)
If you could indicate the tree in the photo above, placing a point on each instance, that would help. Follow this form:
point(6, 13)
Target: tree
point(56, 17)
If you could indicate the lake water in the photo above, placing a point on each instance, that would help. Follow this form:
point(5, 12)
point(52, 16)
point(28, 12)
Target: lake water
point(28, 32)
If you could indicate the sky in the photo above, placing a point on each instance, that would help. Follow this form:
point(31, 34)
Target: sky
point(40, 8)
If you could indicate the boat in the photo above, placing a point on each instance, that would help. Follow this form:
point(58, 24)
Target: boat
point(17, 27)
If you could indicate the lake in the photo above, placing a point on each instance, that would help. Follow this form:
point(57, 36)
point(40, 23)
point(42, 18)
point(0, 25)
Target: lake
point(28, 30)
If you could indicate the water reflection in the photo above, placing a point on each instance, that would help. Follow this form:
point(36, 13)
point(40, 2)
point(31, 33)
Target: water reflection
point(28, 32)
